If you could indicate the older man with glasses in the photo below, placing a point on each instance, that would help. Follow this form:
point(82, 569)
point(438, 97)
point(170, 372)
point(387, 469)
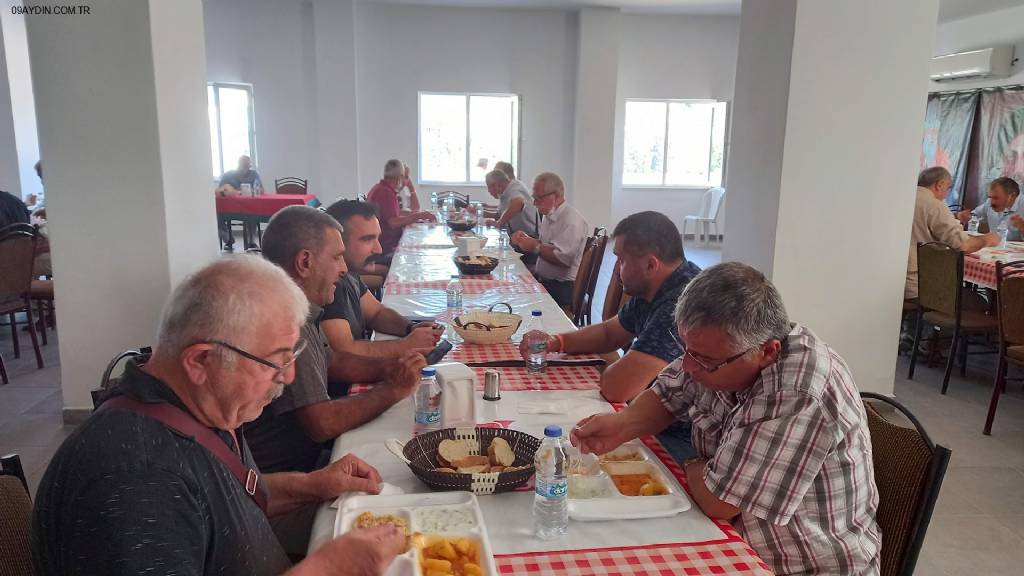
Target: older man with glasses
point(561, 238)
point(779, 427)
point(149, 484)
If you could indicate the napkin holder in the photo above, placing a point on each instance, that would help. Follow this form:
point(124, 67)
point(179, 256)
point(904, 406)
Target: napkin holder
point(458, 394)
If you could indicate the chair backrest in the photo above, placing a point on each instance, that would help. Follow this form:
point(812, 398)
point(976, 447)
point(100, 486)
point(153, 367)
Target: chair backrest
point(460, 200)
point(940, 273)
point(579, 286)
point(108, 382)
point(1010, 294)
point(17, 227)
point(596, 260)
point(614, 297)
point(17, 254)
point(290, 185)
point(909, 470)
point(717, 196)
point(15, 519)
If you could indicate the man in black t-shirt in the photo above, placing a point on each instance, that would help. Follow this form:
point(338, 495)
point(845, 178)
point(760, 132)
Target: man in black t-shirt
point(12, 210)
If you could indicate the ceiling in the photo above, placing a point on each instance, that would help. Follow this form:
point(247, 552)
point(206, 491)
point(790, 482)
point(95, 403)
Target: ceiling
point(948, 9)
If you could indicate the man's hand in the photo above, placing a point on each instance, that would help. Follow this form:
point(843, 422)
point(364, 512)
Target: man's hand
point(405, 375)
point(598, 434)
point(992, 239)
point(1017, 222)
point(360, 552)
point(350, 474)
point(524, 241)
point(424, 216)
point(423, 337)
point(554, 345)
point(964, 216)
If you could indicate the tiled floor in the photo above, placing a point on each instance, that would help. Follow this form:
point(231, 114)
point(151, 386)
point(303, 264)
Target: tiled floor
point(977, 528)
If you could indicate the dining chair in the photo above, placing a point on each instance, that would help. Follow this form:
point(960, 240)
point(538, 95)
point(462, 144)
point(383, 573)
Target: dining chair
point(460, 200)
point(290, 185)
point(108, 381)
point(1010, 313)
point(15, 519)
point(707, 217)
point(909, 469)
point(596, 260)
point(579, 286)
point(17, 255)
point(940, 272)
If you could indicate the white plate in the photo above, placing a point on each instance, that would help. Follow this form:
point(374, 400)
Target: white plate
point(406, 506)
point(619, 507)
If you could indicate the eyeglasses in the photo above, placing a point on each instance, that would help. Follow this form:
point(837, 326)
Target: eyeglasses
point(541, 197)
point(708, 368)
point(279, 369)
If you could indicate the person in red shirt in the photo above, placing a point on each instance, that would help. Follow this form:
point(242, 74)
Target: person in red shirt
point(384, 195)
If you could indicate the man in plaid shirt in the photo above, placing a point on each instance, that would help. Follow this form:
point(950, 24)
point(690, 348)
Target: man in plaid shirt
point(783, 444)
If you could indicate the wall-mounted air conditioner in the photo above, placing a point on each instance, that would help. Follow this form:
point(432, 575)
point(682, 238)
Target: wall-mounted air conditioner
point(992, 62)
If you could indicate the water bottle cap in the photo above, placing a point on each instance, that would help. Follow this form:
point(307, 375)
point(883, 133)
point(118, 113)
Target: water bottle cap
point(428, 371)
point(535, 313)
point(454, 276)
point(553, 431)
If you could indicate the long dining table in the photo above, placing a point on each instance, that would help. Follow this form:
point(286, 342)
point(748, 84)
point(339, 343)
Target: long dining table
point(688, 543)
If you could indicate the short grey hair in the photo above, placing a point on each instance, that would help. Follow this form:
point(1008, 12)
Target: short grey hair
point(293, 229)
point(739, 300)
point(507, 169)
point(932, 176)
point(551, 182)
point(229, 299)
point(497, 177)
point(393, 168)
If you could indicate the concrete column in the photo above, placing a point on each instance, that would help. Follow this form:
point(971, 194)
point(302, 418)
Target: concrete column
point(120, 95)
point(826, 134)
point(597, 78)
point(19, 144)
point(336, 130)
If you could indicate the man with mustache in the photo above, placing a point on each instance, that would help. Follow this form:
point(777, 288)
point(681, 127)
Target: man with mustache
point(127, 493)
point(355, 312)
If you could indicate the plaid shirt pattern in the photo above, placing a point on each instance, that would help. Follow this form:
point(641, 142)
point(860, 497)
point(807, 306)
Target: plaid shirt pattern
point(793, 453)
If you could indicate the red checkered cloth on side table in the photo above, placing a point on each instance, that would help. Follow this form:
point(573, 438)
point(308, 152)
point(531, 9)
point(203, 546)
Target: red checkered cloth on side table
point(525, 284)
point(554, 378)
point(730, 555)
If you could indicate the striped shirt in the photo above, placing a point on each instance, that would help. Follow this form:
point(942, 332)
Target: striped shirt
point(793, 453)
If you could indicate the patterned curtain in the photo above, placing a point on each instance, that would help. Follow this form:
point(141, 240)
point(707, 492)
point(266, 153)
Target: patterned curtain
point(949, 120)
point(1000, 136)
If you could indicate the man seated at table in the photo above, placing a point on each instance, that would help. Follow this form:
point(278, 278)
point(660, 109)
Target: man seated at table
point(515, 209)
point(781, 434)
point(355, 311)
point(232, 180)
point(562, 236)
point(125, 494)
point(384, 195)
point(933, 222)
point(1003, 204)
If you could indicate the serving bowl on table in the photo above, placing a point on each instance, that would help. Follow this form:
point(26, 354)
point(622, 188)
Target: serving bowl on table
point(475, 265)
point(487, 326)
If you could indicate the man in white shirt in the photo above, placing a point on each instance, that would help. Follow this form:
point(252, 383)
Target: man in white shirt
point(562, 237)
point(1004, 205)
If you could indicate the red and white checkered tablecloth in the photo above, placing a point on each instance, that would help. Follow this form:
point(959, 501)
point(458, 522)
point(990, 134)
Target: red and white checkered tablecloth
point(980, 267)
point(504, 352)
point(523, 284)
point(515, 379)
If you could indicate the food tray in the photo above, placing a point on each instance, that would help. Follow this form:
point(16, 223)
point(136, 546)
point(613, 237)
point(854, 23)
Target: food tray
point(608, 503)
point(416, 510)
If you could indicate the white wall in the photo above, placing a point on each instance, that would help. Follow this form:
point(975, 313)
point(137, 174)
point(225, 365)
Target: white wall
point(22, 105)
point(670, 56)
point(404, 49)
point(9, 180)
point(982, 31)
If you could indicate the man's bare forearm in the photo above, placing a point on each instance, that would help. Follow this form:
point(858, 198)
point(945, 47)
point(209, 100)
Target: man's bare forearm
point(291, 490)
point(328, 420)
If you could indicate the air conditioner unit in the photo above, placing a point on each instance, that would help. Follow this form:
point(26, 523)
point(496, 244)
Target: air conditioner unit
point(992, 62)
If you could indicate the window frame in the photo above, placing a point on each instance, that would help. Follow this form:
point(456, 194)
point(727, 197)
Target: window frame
point(516, 142)
point(248, 88)
point(664, 164)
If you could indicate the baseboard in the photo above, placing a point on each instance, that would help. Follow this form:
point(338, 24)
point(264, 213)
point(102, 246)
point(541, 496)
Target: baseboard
point(713, 237)
point(75, 416)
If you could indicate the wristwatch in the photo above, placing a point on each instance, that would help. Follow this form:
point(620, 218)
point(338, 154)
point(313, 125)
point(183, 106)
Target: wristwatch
point(539, 246)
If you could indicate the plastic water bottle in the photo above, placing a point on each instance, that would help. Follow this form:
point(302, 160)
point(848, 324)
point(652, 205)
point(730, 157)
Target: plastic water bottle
point(972, 226)
point(428, 402)
point(433, 202)
point(503, 243)
point(1003, 230)
point(536, 345)
point(454, 294)
point(550, 507)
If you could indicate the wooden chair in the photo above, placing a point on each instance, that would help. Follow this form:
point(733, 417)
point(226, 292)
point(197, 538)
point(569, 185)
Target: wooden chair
point(290, 185)
point(17, 255)
point(940, 272)
point(461, 200)
point(15, 519)
point(600, 244)
point(909, 469)
point(614, 297)
point(1010, 312)
point(579, 287)
point(108, 381)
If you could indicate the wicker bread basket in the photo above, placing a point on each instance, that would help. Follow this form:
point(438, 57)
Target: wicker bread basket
point(472, 327)
point(420, 454)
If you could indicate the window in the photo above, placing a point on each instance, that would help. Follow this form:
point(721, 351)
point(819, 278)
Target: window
point(674, 143)
point(462, 136)
point(232, 125)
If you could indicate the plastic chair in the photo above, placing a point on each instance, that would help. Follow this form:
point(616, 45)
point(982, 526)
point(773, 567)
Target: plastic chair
point(909, 469)
point(1010, 312)
point(710, 207)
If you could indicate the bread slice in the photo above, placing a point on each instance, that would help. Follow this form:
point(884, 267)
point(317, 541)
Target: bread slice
point(470, 461)
point(451, 451)
point(474, 469)
point(446, 470)
point(497, 469)
point(500, 453)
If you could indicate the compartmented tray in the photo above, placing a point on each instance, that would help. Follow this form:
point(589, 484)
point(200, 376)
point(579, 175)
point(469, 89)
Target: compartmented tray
point(609, 488)
point(429, 519)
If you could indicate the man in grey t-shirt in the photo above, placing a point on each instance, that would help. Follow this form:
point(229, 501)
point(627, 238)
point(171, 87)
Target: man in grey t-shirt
point(515, 209)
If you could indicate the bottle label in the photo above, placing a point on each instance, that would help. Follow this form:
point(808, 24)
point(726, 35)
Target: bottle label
point(538, 345)
point(556, 489)
point(428, 416)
